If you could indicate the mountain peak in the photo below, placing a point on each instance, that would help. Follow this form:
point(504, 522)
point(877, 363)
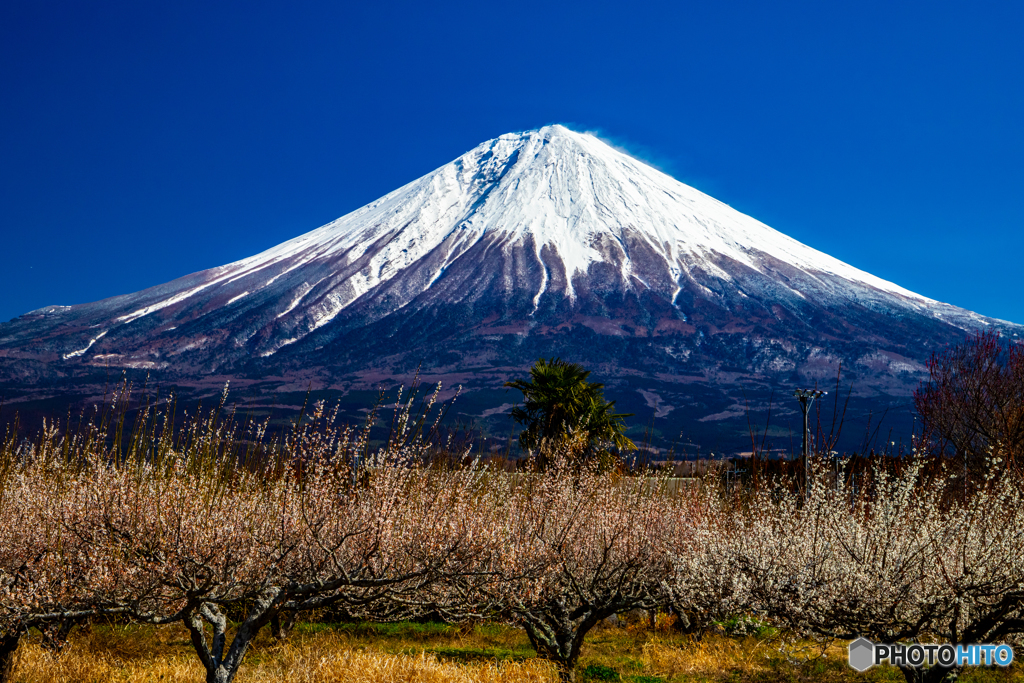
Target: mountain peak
point(574, 194)
point(549, 132)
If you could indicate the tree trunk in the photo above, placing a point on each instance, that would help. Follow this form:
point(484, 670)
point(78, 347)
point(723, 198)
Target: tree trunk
point(220, 659)
point(281, 624)
point(8, 646)
point(55, 634)
point(566, 665)
point(548, 648)
point(558, 639)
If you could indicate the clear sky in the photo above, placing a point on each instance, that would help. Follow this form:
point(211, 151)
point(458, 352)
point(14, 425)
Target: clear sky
point(142, 141)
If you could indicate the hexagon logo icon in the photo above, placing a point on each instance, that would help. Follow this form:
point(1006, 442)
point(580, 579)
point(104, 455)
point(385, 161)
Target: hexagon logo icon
point(862, 654)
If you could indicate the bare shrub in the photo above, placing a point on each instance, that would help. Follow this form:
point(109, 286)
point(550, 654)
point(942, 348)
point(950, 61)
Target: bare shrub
point(973, 402)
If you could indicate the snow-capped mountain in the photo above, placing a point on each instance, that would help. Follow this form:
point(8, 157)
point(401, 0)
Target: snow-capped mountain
point(543, 243)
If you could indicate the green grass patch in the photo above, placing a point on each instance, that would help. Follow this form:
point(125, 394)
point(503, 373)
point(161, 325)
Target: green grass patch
point(599, 673)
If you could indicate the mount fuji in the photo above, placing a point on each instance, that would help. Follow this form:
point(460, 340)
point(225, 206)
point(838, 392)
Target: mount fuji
point(543, 243)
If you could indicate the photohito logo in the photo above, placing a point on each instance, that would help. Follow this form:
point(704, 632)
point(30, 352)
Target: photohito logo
point(864, 654)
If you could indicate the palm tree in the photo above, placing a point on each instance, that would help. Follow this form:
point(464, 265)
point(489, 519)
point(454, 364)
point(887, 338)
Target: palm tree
point(558, 400)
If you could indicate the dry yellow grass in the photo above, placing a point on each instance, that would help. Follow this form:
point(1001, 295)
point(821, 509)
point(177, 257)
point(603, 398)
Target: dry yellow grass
point(435, 653)
point(704, 657)
point(325, 659)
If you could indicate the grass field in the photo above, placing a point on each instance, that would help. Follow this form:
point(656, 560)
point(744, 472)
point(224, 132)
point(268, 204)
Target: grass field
point(486, 653)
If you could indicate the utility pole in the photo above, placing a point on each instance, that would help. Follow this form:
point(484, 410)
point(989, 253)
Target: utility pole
point(806, 398)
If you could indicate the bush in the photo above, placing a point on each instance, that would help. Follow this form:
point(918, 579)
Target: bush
point(972, 407)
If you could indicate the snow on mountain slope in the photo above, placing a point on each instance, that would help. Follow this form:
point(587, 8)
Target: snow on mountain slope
point(564, 189)
point(550, 228)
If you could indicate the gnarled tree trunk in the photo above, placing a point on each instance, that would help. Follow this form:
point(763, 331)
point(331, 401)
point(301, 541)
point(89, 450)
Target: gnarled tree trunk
point(558, 637)
point(220, 659)
point(282, 623)
point(8, 646)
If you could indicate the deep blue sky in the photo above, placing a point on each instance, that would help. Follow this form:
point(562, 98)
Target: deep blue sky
point(141, 141)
